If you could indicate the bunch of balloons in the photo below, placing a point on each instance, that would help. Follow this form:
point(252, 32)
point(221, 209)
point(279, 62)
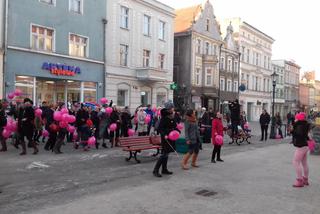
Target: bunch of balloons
point(10, 128)
point(15, 93)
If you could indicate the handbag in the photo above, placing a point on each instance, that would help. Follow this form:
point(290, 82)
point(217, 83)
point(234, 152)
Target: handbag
point(311, 145)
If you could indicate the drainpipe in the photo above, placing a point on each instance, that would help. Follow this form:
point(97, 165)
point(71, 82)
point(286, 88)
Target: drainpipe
point(104, 22)
point(5, 45)
point(219, 91)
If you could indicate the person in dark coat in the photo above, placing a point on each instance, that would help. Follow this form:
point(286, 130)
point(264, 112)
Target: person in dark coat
point(234, 108)
point(126, 121)
point(49, 123)
point(81, 118)
point(167, 124)
point(26, 125)
point(93, 114)
point(264, 123)
point(115, 118)
point(3, 123)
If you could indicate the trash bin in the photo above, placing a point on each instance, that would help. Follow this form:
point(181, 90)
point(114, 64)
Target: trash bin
point(181, 146)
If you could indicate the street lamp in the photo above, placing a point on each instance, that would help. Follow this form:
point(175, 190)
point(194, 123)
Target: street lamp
point(273, 120)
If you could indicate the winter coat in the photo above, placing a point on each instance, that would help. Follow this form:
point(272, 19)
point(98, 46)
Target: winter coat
point(150, 113)
point(300, 133)
point(26, 119)
point(235, 112)
point(104, 124)
point(3, 119)
point(142, 127)
point(217, 129)
point(166, 125)
point(192, 132)
point(81, 117)
point(126, 119)
point(264, 119)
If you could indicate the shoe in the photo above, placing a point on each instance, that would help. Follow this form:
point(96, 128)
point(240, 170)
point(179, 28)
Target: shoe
point(213, 161)
point(184, 167)
point(195, 165)
point(157, 174)
point(23, 153)
point(261, 139)
point(104, 145)
point(220, 160)
point(305, 181)
point(298, 183)
point(166, 172)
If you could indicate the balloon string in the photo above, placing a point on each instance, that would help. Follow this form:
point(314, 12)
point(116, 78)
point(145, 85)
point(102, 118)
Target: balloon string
point(173, 149)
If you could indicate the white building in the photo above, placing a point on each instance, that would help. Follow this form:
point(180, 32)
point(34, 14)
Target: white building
point(2, 45)
point(255, 67)
point(279, 95)
point(139, 52)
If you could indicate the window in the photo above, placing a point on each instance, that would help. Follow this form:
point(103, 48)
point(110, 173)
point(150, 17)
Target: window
point(243, 53)
point(52, 2)
point(78, 46)
point(264, 84)
point(222, 84)
point(42, 38)
point(122, 98)
point(208, 25)
point(256, 83)
point(161, 61)
point(257, 59)
point(162, 26)
point(76, 6)
point(229, 65)
point(268, 86)
point(215, 50)
point(209, 77)
point(197, 77)
point(242, 76)
point(229, 85)
point(248, 56)
point(146, 25)
point(235, 86)
point(146, 58)
point(265, 62)
point(207, 48)
point(124, 17)
point(248, 81)
point(222, 63)
point(124, 55)
point(199, 46)
point(235, 69)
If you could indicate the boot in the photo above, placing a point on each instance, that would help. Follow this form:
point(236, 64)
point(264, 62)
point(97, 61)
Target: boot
point(4, 146)
point(34, 145)
point(213, 157)
point(57, 147)
point(104, 145)
point(194, 160)
point(24, 148)
point(97, 145)
point(185, 161)
point(165, 170)
point(157, 167)
point(298, 183)
point(305, 181)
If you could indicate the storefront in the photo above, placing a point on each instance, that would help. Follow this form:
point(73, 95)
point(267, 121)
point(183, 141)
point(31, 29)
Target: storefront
point(53, 79)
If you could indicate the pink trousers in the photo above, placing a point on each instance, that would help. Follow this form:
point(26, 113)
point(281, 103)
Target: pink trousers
point(300, 162)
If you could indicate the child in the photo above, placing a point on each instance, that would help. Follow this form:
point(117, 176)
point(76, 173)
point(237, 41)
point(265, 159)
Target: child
point(217, 129)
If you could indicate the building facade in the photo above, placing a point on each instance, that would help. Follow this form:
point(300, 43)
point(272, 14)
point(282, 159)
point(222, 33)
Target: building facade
point(196, 57)
point(2, 42)
point(291, 84)
point(139, 52)
point(279, 94)
point(58, 58)
point(255, 67)
point(309, 92)
point(229, 70)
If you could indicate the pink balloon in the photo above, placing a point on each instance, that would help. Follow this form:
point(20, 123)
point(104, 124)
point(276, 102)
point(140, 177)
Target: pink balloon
point(103, 100)
point(6, 133)
point(17, 92)
point(113, 127)
point(38, 112)
point(219, 140)
point(45, 133)
point(180, 126)
point(65, 117)
point(311, 145)
point(71, 129)
point(12, 126)
point(246, 125)
point(109, 110)
point(71, 119)
point(174, 135)
point(57, 116)
point(64, 111)
point(147, 119)
point(131, 132)
point(91, 141)
point(63, 124)
point(11, 96)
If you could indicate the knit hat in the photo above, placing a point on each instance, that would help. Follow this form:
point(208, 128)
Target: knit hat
point(300, 116)
point(169, 105)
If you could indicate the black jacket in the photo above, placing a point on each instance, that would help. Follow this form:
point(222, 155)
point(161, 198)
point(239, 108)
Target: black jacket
point(166, 125)
point(81, 117)
point(26, 113)
point(235, 112)
point(264, 119)
point(300, 133)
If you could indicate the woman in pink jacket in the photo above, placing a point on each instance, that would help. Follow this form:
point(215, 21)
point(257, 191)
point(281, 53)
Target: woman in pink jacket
point(217, 129)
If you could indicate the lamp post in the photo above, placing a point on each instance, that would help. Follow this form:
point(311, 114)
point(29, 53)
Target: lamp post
point(273, 119)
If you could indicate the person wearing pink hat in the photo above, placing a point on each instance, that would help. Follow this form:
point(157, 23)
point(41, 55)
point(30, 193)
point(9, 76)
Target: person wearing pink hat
point(300, 138)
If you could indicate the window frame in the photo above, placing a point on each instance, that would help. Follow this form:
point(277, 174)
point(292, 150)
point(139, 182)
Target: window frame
point(229, 83)
point(162, 30)
point(229, 68)
point(161, 61)
point(87, 45)
point(146, 58)
point(222, 62)
point(235, 86)
point(149, 25)
point(126, 97)
point(199, 46)
point(124, 17)
point(197, 73)
point(207, 48)
point(126, 54)
point(54, 2)
point(81, 7)
point(222, 80)
point(207, 75)
point(53, 38)
point(208, 25)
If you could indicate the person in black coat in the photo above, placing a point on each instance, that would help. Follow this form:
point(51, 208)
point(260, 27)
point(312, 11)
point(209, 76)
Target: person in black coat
point(166, 125)
point(126, 121)
point(234, 108)
point(264, 123)
point(3, 123)
point(50, 126)
point(26, 125)
point(81, 118)
point(115, 118)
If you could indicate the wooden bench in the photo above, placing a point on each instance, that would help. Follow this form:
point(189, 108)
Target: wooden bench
point(135, 145)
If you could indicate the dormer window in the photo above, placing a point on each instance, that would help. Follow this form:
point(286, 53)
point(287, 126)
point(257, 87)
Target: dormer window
point(208, 25)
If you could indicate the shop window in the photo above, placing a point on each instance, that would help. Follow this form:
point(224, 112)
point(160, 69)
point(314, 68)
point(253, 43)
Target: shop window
point(144, 98)
point(122, 98)
point(26, 85)
point(146, 58)
point(76, 6)
point(78, 45)
point(42, 38)
point(90, 92)
point(74, 91)
point(124, 55)
point(52, 2)
point(124, 17)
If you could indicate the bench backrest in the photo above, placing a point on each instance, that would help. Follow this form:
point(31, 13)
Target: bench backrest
point(140, 140)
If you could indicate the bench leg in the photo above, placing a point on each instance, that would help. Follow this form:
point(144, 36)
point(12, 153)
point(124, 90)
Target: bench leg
point(135, 156)
point(129, 158)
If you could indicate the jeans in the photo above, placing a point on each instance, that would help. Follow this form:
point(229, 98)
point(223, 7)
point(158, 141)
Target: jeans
point(300, 162)
point(264, 132)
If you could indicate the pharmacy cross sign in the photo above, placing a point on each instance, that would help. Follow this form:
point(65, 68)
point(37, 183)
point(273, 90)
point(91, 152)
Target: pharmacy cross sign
point(60, 69)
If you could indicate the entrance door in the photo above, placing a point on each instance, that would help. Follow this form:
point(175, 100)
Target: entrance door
point(249, 111)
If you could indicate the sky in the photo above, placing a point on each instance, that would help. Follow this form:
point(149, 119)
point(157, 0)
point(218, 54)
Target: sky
point(292, 23)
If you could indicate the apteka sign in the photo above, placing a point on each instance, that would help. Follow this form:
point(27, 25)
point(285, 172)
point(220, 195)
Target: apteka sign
point(60, 69)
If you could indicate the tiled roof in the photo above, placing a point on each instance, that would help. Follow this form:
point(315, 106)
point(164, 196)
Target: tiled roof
point(185, 17)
